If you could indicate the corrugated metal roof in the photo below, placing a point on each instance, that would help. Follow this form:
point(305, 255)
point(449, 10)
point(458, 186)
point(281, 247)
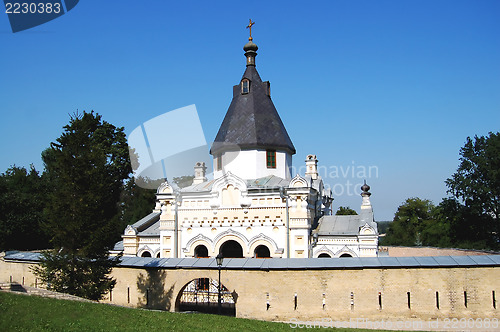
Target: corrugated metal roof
point(200, 187)
point(146, 221)
point(270, 181)
point(152, 230)
point(292, 263)
point(339, 225)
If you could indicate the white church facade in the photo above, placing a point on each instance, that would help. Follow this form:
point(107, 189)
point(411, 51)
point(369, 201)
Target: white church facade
point(253, 206)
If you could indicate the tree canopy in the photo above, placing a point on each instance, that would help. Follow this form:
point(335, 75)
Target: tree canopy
point(468, 219)
point(345, 211)
point(22, 200)
point(87, 166)
point(476, 183)
point(411, 220)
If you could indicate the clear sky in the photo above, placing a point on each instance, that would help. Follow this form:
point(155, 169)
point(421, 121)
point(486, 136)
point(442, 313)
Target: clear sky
point(391, 87)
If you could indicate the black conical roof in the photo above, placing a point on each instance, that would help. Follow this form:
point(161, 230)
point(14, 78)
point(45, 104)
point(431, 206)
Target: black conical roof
point(252, 120)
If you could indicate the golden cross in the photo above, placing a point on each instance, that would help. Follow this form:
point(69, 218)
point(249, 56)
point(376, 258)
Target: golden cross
point(249, 26)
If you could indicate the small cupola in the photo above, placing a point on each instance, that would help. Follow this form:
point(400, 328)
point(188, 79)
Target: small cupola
point(366, 204)
point(250, 48)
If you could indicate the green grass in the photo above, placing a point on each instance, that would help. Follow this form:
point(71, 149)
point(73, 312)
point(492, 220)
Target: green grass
point(31, 313)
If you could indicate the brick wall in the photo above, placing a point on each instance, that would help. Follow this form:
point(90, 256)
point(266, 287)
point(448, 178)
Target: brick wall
point(348, 293)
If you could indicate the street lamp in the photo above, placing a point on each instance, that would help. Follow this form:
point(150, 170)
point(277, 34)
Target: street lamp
point(219, 260)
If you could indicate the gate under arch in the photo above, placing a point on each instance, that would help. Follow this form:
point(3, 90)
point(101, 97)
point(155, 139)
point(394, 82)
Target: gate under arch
point(202, 295)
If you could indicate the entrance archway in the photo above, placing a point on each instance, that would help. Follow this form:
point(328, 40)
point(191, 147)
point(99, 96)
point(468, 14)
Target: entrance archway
point(146, 254)
point(201, 251)
point(262, 251)
point(324, 255)
point(231, 249)
point(202, 295)
point(345, 255)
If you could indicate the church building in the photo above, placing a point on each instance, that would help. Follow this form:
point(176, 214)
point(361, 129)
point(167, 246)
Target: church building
point(253, 206)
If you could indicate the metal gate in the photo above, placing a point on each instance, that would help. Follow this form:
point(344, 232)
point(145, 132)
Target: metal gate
point(202, 295)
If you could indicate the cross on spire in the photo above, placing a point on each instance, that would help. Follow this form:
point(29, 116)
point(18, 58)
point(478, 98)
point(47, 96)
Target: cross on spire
point(249, 26)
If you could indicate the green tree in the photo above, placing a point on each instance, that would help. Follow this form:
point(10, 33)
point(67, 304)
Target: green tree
point(345, 211)
point(410, 220)
point(465, 226)
point(476, 184)
point(183, 181)
point(22, 200)
point(136, 201)
point(86, 166)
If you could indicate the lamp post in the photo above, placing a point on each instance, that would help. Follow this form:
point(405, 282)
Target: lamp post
point(219, 260)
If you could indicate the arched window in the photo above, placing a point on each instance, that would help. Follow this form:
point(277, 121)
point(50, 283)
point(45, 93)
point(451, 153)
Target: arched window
point(201, 251)
point(231, 249)
point(262, 252)
point(245, 86)
point(345, 255)
point(324, 255)
point(146, 254)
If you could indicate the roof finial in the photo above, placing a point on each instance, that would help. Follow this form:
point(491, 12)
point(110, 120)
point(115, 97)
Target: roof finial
point(250, 48)
point(249, 26)
point(365, 189)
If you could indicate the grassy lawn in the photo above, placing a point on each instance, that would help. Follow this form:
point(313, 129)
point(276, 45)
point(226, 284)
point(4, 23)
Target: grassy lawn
point(31, 313)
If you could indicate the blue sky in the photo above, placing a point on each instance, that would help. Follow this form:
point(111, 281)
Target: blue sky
point(391, 86)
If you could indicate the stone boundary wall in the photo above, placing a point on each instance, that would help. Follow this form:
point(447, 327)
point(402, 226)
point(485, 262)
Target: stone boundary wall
point(400, 293)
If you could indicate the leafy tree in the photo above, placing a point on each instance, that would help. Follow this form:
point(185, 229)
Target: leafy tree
point(410, 220)
point(183, 181)
point(345, 211)
point(136, 201)
point(383, 226)
point(476, 183)
point(86, 166)
point(22, 200)
point(465, 226)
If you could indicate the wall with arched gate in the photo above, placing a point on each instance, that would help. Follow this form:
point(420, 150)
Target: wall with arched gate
point(281, 289)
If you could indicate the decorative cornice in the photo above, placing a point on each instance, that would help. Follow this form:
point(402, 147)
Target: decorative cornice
point(230, 232)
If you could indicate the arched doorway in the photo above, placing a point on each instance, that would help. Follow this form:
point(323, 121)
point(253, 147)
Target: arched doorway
point(262, 251)
point(231, 249)
point(146, 254)
point(324, 255)
point(201, 251)
point(345, 255)
point(202, 295)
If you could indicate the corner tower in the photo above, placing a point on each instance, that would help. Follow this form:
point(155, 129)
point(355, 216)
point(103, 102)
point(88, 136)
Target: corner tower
point(252, 141)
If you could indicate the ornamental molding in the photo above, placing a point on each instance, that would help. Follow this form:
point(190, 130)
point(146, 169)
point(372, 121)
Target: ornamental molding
point(130, 230)
point(230, 232)
point(165, 188)
point(262, 237)
point(226, 180)
point(144, 249)
point(366, 229)
point(298, 182)
point(323, 250)
point(345, 250)
point(199, 237)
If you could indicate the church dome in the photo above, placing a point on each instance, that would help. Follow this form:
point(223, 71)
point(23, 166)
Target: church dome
point(250, 46)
